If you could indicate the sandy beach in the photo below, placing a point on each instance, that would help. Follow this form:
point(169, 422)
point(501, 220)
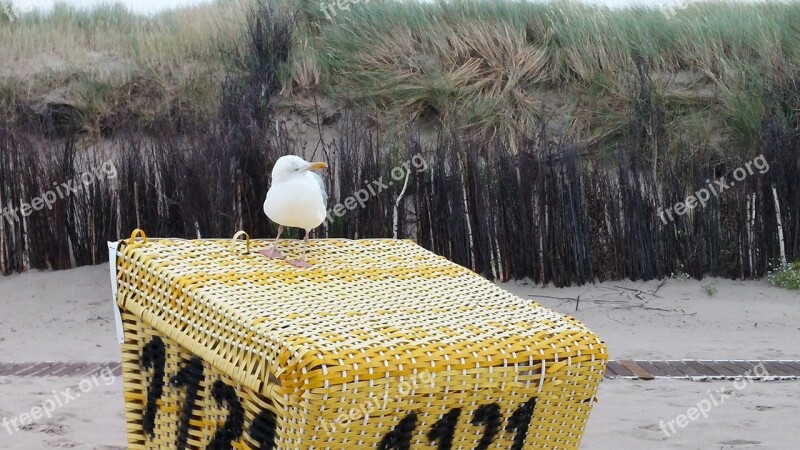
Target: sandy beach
point(67, 316)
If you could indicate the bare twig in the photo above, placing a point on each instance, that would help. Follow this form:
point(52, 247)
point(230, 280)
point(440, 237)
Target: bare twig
point(663, 282)
point(554, 298)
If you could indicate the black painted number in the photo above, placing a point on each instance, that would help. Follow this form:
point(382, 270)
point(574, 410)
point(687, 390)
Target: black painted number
point(264, 426)
point(190, 377)
point(520, 421)
point(400, 437)
point(153, 357)
point(234, 424)
point(489, 417)
point(264, 429)
point(443, 431)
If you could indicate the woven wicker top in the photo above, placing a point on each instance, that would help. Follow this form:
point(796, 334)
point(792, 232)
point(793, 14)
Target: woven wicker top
point(366, 309)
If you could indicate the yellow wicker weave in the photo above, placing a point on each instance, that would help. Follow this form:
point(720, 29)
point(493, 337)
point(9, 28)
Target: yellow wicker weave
point(379, 345)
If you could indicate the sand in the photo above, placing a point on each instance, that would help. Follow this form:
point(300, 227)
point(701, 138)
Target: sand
point(759, 416)
point(742, 320)
point(58, 316)
point(94, 420)
point(67, 316)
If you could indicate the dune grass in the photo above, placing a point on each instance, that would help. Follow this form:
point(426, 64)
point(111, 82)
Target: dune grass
point(108, 61)
point(494, 62)
point(787, 276)
point(499, 67)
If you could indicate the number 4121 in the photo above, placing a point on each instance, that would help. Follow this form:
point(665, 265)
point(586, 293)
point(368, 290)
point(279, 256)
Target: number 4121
point(443, 431)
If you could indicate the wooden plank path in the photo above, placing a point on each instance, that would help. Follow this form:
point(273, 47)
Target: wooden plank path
point(704, 370)
point(58, 369)
point(631, 369)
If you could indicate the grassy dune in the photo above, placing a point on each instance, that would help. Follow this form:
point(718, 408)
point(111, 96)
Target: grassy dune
point(496, 63)
point(109, 63)
point(497, 67)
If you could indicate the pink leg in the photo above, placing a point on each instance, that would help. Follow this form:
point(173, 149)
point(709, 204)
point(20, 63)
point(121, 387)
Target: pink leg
point(273, 251)
point(302, 262)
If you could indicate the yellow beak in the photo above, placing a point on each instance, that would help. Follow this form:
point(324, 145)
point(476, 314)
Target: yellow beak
point(317, 166)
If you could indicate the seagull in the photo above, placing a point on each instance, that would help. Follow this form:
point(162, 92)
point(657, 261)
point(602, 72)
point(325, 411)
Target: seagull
point(296, 198)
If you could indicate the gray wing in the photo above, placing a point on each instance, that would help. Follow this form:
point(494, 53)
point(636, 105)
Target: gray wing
point(321, 183)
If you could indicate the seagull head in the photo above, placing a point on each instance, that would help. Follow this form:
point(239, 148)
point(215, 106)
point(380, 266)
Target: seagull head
point(289, 166)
